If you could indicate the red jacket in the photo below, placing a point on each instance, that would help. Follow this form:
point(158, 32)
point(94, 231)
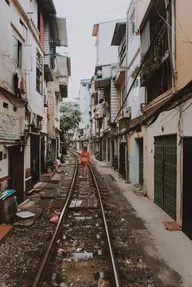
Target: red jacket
point(85, 157)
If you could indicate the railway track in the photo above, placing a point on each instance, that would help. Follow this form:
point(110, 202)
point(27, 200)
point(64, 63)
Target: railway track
point(80, 252)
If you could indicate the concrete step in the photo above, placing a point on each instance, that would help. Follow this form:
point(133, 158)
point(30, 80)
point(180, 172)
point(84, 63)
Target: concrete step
point(46, 177)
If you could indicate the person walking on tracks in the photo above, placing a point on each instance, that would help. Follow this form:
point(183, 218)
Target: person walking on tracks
point(85, 159)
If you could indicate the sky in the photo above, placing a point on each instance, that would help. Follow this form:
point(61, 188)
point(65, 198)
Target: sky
point(81, 15)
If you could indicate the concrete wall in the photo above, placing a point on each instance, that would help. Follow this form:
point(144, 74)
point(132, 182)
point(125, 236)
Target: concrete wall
point(51, 114)
point(10, 20)
point(84, 103)
point(170, 122)
point(133, 155)
point(107, 54)
point(183, 47)
point(4, 163)
point(141, 8)
point(137, 94)
point(44, 124)
point(30, 7)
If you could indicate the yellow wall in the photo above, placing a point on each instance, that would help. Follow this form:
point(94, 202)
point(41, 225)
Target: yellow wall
point(183, 49)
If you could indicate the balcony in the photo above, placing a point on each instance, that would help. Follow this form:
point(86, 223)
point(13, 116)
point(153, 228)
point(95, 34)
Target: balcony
point(13, 81)
point(120, 76)
point(103, 76)
point(47, 71)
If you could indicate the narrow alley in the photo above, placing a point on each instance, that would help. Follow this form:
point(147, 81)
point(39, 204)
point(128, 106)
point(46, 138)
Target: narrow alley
point(95, 143)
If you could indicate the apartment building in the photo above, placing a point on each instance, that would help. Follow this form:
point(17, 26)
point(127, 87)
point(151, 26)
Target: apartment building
point(103, 88)
point(24, 79)
point(164, 28)
point(84, 102)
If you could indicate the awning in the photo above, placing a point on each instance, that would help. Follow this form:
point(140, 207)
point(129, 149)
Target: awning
point(102, 83)
point(120, 76)
point(119, 32)
point(58, 28)
point(13, 144)
point(64, 66)
point(8, 128)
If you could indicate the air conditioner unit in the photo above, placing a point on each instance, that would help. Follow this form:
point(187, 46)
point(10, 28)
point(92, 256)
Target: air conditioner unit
point(127, 112)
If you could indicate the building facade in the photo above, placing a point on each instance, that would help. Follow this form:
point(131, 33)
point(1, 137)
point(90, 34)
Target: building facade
point(84, 102)
point(103, 90)
point(168, 92)
point(27, 65)
point(149, 131)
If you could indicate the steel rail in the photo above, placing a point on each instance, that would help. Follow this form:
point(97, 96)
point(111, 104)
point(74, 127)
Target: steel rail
point(41, 272)
point(112, 257)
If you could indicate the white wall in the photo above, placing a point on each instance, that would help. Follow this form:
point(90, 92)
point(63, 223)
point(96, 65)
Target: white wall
point(133, 48)
point(27, 154)
point(107, 54)
point(170, 122)
point(84, 104)
point(137, 94)
point(4, 162)
point(10, 20)
point(30, 7)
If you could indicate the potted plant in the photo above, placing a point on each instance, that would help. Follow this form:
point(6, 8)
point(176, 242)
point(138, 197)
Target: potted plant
point(50, 162)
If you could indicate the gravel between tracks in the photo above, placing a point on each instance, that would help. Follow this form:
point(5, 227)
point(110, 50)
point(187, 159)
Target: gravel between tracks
point(22, 252)
point(78, 234)
point(136, 266)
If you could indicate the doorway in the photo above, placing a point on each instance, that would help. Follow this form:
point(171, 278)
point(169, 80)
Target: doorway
point(122, 149)
point(165, 173)
point(141, 165)
point(187, 184)
point(109, 150)
point(43, 154)
point(104, 149)
point(35, 158)
point(16, 171)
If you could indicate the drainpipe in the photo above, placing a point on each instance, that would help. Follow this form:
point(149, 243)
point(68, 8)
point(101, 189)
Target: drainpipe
point(126, 88)
point(171, 39)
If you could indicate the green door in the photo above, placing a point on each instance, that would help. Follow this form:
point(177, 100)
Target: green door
point(159, 171)
point(170, 175)
point(166, 173)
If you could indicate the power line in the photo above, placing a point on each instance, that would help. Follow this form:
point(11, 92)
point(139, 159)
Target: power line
point(140, 67)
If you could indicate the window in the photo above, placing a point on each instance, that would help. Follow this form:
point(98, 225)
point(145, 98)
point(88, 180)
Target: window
point(17, 51)
point(132, 25)
point(5, 105)
point(39, 73)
